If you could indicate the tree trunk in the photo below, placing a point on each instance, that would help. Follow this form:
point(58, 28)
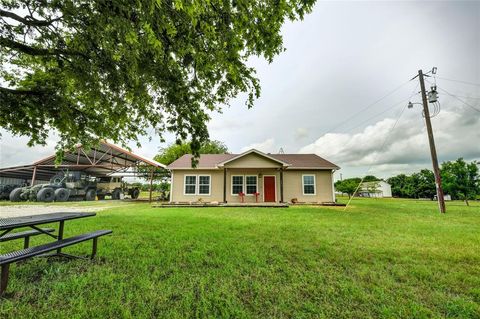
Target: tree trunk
point(466, 202)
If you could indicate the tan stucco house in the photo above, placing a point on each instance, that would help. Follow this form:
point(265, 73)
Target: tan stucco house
point(252, 177)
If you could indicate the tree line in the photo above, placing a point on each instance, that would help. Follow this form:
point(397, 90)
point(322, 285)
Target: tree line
point(460, 180)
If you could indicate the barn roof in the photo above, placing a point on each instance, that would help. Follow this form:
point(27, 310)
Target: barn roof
point(104, 159)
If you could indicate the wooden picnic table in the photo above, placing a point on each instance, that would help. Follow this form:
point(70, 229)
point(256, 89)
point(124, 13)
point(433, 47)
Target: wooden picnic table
point(33, 221)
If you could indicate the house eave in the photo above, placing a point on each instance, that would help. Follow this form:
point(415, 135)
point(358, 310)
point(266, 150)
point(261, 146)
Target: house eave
point(222, 164)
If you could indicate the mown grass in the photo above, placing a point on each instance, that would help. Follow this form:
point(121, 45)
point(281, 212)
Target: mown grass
point(379, 259)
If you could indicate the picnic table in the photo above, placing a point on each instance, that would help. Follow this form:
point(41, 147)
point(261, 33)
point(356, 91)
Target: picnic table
point(7, 225)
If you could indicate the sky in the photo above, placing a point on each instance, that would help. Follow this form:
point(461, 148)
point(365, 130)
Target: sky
point(341, 88)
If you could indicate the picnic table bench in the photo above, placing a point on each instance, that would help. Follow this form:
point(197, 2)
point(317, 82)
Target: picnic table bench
point(25, 235)
point(9, 224)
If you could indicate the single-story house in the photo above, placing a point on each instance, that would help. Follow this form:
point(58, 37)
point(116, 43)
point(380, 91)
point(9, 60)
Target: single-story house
point(375, 189)
point(252, 177)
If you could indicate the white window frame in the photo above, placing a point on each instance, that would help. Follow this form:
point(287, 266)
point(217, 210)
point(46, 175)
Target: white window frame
point(231, 184)
point(314, 184)
point(197, 185)
point(185, 185)
point(256, 184)
point(209, 184)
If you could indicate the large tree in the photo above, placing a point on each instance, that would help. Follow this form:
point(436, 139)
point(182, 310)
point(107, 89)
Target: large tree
point(113, 69)
point(417, 185)
point(399, 185)
point(371, 178)
point(348, 186)
point(424, 184)
point(460, 179)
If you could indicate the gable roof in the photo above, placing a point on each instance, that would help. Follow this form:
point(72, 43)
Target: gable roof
point(292, 161)
point(221, 164)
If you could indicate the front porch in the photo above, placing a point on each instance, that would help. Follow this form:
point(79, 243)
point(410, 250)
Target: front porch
point(252, 186)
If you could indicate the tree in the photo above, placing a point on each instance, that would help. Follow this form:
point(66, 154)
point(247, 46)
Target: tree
point(417, 185)
point(460, 179)
point(371, 178)
point(347, 186)
point(114, 69)
point(173, 152)
point(399, 184)
point(425, 184)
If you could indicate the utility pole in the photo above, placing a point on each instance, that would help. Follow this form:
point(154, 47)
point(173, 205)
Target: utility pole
point(433, 151)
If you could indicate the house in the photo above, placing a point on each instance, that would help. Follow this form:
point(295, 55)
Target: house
point(375, 189)
point(252, 177)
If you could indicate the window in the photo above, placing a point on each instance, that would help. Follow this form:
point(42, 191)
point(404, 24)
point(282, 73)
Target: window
point(308, 184)
point(204, 185)
point(237, 185)
point(251, 184)
point(190, 184)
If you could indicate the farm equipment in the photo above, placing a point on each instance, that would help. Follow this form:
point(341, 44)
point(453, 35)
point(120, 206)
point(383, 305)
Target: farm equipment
point(74, 185)
point(62, 187)
point(114, 187)
point(6, 189)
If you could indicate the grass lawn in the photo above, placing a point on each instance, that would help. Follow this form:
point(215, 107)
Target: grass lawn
point(379, 259)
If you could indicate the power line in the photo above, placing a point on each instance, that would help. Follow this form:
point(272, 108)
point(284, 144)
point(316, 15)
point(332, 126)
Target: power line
point(467, 97)
point(378, 154)
point(453, 95)
point(459, 81)
point(385, 111)
point(365, 108)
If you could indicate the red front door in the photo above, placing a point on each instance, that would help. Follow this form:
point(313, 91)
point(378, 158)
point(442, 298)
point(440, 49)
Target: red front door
point(269, 188)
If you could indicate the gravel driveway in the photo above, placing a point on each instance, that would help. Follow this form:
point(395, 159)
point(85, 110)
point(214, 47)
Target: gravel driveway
point(24, 210)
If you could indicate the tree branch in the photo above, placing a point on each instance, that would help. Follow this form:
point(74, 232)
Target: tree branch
point(29, 22)
point(35, 51)
point(20, 92)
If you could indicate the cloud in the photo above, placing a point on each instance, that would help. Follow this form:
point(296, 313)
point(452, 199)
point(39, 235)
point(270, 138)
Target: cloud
point(301, 133)
point(456, 131)
point(267, 146)
point(14, 149)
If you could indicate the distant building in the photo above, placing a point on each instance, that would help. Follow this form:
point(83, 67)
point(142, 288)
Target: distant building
point(376, 189)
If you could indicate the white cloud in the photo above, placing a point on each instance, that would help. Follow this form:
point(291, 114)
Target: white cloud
point(301, 133)
point(14, 149)
point(267, 146)
point(456, 131)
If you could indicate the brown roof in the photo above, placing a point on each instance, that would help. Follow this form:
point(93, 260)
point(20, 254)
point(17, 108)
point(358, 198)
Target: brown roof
point(305, 161)
point(311, 161)
point(205, 160)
